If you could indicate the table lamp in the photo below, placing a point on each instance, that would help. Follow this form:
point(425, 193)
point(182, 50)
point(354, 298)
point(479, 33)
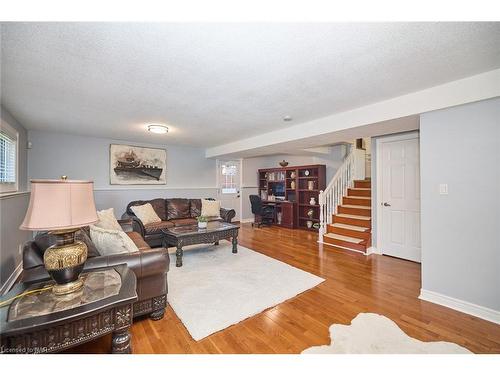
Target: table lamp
point(62, 207)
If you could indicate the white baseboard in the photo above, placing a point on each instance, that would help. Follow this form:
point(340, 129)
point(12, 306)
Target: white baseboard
point(248, 220)
point(372, 250)
point(459, 305)
point(11, 280)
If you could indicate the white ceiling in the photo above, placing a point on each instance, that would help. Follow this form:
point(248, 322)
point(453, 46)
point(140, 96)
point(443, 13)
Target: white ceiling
point(218, 83)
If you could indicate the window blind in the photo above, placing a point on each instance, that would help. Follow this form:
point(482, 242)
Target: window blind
point(7, 158)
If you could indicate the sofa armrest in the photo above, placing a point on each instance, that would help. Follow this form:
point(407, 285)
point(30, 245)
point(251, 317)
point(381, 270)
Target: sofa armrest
point(126, 224)
point(143, 263)
point(227, 215)
point(137, 225)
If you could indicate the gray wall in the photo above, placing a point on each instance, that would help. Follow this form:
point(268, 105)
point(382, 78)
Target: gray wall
point(460, 231)
point(12, 210)
point(189, 173)
point(333, 161)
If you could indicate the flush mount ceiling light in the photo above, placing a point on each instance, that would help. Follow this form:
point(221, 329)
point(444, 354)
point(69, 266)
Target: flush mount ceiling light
point(158, 129)
point(287, 118)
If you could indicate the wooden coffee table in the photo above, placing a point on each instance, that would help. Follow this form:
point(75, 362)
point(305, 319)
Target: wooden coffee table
point(192, 235)
point(46, 323)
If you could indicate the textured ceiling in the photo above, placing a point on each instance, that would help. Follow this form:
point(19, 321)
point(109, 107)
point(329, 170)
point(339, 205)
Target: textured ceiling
point(217, 83)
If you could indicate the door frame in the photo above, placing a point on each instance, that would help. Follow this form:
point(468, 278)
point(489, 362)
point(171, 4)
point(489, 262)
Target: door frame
point(415, 134)
point(240, 172)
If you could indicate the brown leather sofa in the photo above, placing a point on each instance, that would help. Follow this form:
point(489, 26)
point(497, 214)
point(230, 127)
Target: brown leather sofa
point(172, 212)
point(150, 267)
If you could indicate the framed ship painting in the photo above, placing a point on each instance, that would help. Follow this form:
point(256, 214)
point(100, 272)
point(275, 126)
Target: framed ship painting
point(134, 165)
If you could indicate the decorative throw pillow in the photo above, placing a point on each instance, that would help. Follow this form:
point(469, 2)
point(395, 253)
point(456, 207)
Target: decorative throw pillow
point(110, 241)
point(210, 208)
point(107, 220)
point(146, 213)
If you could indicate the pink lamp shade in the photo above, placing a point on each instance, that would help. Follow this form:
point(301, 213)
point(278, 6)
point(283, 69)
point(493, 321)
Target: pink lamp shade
point(60, 204)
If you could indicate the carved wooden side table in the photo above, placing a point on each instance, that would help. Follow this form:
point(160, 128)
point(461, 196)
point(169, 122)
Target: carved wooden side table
point(45, 323)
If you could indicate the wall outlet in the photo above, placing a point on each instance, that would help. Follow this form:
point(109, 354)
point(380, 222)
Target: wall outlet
point(443, 189)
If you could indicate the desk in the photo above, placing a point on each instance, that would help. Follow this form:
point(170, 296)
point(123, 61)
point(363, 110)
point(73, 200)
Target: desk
point(287, 210)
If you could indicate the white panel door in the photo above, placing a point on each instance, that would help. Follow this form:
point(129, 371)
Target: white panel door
point(400, 198)
point(228, 183)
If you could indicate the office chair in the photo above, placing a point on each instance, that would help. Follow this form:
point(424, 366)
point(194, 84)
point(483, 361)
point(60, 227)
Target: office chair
point(263, 214)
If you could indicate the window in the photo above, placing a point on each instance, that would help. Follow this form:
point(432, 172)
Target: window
point(229, 175)
point(8, 159)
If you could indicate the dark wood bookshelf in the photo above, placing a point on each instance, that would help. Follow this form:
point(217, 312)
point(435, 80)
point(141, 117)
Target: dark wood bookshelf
point(299, 196)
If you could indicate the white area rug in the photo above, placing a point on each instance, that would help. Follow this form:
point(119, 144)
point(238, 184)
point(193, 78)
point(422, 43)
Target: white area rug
point(215, 288)
point(376, 334)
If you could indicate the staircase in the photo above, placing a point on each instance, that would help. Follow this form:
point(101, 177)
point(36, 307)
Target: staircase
point(345, 206)
point(350, 226)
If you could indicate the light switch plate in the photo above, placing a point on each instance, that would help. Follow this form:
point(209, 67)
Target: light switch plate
point(443, 189)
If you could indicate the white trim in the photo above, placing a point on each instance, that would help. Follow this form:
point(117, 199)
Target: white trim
point(373, 250)
point(467, 90)
point(240, 189)
point(460, 305)
point(7, 188)
point(248, 220)
point(13, 194)
point(378, 174)
point(11, 280)
point(155, 188)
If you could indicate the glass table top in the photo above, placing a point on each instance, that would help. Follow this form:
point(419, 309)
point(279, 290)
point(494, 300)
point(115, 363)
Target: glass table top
point(96, 286)
point(214, 226)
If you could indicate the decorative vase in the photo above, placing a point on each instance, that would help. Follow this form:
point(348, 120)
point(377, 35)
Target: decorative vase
point(292, 175)
point(310, 185)
point(316, 225)
point(309, 224)
point(202, 224)
point(283, 163)
point(64, 261)
point(310, 213)
point(292, 185)
point(312, 202)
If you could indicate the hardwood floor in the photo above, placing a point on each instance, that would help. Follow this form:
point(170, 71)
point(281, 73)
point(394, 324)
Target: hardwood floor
point(354, 283)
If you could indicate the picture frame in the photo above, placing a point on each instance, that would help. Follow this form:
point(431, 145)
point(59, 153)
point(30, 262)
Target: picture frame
point(137, 165)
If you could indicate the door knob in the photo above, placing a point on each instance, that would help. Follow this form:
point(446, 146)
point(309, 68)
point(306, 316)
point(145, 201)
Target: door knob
point(386, 204)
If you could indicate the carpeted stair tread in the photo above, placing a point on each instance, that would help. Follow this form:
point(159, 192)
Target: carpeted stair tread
point(344, 238)
point(350, 227)
point(355, 206)
point(354, 216)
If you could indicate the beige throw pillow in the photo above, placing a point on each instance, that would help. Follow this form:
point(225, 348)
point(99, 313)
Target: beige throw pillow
point(146, 213)
point(210, 208)
point(107, 220)
point(110, 241)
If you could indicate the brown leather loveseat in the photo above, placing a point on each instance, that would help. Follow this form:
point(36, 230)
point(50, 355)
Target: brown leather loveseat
point(172, 212)
point(150, 267)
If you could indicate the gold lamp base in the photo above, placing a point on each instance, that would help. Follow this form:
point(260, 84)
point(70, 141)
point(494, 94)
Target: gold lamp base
point(73, 286)
point(64, 261)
